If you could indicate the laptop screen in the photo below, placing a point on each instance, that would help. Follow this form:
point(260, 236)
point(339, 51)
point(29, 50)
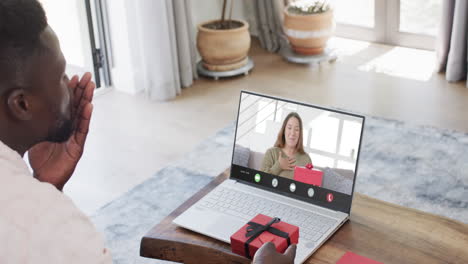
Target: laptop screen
point(299, 150)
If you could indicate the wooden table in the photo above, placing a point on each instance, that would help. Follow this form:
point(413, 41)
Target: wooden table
point(382, 231)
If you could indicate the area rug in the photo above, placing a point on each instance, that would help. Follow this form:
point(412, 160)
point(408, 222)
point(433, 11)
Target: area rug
point(414, 166)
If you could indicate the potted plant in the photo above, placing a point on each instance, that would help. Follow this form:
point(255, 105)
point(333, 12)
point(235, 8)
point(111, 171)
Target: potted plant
point(224, 43)
point(308, 25)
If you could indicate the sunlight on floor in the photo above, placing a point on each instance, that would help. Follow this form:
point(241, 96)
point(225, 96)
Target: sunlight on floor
point(402, 62)
point(408, 63)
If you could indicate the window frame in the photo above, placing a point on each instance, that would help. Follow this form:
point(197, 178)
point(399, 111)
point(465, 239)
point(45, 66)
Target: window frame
point(386, 28)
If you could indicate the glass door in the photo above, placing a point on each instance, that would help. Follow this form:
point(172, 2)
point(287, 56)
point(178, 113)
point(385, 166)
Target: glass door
point(75, 23)
point(411, 23)
point(359, 19)
point(414, 23)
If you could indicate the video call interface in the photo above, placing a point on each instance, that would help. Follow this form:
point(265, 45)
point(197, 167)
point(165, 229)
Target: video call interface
point(298, 150)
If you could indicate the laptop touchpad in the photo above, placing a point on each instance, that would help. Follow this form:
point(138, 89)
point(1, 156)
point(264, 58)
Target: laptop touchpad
point(226, 226)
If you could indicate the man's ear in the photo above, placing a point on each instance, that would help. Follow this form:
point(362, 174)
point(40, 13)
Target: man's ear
point(19, 105)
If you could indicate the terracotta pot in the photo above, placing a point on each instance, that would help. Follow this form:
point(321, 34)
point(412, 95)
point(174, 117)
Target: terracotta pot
point(308, 34)
point(223, 49)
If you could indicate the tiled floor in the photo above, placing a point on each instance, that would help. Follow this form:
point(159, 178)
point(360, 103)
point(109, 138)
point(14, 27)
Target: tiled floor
point(131, 138)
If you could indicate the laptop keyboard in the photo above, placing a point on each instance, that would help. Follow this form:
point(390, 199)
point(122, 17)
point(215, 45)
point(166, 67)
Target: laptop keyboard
point(240, 204)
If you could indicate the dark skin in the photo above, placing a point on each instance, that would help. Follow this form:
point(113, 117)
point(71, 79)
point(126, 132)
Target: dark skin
point(33, 109)
point(267, 254)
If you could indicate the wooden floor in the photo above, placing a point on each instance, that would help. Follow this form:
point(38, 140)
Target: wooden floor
point(132, 138)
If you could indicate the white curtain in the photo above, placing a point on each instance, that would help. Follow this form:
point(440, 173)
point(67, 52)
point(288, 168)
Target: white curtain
point(452, 42)
point(269, 16)
point(167, 55)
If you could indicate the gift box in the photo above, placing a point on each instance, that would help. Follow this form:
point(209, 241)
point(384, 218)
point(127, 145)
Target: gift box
point(308, 175)
point(260, 230)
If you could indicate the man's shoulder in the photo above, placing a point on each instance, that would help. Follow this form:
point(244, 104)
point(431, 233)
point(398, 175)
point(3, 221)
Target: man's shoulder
point(44, 222)
point(26, 201)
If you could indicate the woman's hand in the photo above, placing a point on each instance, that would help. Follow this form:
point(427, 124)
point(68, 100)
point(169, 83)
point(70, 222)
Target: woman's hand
point(286, 163)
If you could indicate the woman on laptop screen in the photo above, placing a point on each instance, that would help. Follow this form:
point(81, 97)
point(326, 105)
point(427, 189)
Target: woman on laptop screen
point(288, 151)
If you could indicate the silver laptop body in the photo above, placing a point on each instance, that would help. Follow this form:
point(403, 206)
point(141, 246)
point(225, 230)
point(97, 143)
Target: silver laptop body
point(331, 138)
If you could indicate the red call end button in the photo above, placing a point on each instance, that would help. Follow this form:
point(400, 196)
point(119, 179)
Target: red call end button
point(329, 197)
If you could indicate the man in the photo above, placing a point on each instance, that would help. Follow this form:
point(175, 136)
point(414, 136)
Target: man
point(44, 113)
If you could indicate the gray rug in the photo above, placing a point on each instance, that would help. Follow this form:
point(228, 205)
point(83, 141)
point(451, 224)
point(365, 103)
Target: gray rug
point(415, 166)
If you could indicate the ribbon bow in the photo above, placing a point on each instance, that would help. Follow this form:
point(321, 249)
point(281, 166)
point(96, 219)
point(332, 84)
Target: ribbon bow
point(255, 229)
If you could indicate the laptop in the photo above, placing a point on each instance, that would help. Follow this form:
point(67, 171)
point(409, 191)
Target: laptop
point(268, 128)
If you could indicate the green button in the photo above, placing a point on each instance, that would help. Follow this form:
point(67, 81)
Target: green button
point(257, 177)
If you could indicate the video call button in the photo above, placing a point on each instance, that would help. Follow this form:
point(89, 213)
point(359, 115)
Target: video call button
point(274, 182)
point(329, 197)
point(257, 178)
point(292, 187)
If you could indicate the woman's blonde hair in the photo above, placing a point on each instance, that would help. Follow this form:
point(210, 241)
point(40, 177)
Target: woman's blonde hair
point(281, 140)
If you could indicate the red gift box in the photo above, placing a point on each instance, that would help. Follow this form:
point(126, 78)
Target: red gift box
point(353, 258)
point(308, 175)
point(260, 230)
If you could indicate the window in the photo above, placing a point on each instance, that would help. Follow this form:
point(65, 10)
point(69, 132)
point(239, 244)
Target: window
point(419, 16)
point(362, 12)
point(411, 23)
point(80, 27)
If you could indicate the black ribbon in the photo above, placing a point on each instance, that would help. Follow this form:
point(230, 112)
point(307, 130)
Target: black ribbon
point(255, 229)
